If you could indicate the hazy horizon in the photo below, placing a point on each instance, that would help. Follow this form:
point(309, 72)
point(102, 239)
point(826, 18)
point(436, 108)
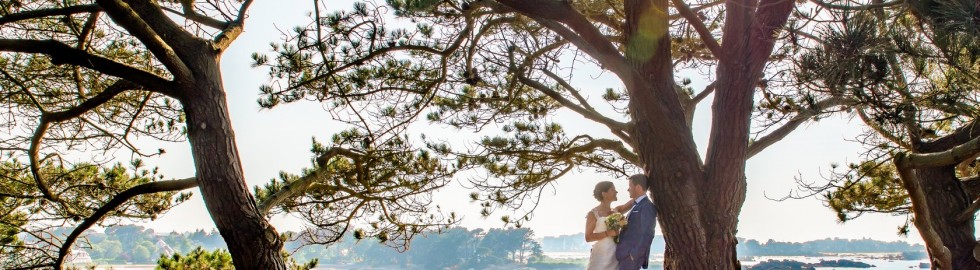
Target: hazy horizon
point(539, 236)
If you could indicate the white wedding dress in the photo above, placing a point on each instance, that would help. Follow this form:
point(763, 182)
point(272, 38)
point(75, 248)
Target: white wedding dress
point(603, 255)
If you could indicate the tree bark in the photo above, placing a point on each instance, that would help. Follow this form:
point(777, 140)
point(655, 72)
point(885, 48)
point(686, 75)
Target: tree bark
point(698, 204)
point(940, 201)
point(252, 241)
point(946, 200)
point(664, 141)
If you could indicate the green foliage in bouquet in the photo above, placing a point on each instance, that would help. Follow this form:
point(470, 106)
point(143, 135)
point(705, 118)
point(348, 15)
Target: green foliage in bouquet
point(615, 222)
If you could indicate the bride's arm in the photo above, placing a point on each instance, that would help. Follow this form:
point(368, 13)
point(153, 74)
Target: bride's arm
point(590, 236)
point(624, 207)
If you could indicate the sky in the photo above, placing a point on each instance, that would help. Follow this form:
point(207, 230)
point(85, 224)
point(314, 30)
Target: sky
point(277, 140)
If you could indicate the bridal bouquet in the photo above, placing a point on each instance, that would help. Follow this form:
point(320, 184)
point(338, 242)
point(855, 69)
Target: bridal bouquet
point(615, 221)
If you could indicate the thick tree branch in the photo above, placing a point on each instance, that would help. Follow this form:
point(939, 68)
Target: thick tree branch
point(749, 37)
point(136, 18)
point(35, 142)
point(588, 114)
point(61, 53)
point(243, 10)
point(970, 211)
point(571, 90)
point(192, 15)
point(53, 117)
point(770, 18)
point(301, 185)
point(611, 145)
point(151, 13)
point(589, 38)
point(83, 40)
point(89, 104)
point(697, 9)
point(699, 26)
point(952, 156)
point(607, 21)
point(233, 29)
point(152, 187)
point(962, 135)
point(41, 13)
point(227, 36)
point(690, 104)
point(972, 186)
point(799, 119)
point(880, 130)
point(622, 133)
point(704, 94)
point(32, 156)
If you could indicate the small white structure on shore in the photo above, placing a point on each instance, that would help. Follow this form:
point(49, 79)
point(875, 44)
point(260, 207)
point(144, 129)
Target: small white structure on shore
point(164, 248)
point(78, 256)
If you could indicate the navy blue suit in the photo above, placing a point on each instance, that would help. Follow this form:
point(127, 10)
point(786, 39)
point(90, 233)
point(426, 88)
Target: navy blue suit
point(633, 250)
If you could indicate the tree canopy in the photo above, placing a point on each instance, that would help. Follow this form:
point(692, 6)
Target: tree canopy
point(503, 70)
point(83, 82)
point(911, 68)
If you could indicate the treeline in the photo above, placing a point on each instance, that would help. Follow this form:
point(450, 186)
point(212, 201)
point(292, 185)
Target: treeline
point(576, 243)
point(453, 248)
point(136, 244)
point(457, 248)
point(827, 245)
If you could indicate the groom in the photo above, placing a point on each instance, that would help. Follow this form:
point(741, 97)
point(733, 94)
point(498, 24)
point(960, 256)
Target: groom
point(633, 250)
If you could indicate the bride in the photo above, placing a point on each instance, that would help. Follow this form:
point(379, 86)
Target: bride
point(603, 255)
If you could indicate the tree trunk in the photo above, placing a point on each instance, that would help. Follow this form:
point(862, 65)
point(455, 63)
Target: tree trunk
point(252, 241)
point(946, 200)
point(942, 199)
point(698, 205)
point(664, 140)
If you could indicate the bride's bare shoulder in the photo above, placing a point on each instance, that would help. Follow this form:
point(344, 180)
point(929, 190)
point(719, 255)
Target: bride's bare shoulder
point(591, 213)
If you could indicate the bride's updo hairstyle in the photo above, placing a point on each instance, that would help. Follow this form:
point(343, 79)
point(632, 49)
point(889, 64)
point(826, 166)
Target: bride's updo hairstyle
point(600, 188)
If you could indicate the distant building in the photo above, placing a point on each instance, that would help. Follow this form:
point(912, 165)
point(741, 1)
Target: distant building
point(164, 248)
point(78, 256)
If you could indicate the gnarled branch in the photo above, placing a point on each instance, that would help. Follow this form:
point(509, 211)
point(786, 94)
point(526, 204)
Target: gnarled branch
point(61, 53)
point(880, 130)
point(952, 156)
point(135, 16)
point(301, 185)
point(192, 15)
point(53, 117)
point(612, 145)
point(699, 26)
point(621, 131)
point(588, 114)
point(41, 13)
point(799, 119)
point(580, 31)
point(232, 29)
point(967, 214)
point(697, 9)
point(152, 187)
